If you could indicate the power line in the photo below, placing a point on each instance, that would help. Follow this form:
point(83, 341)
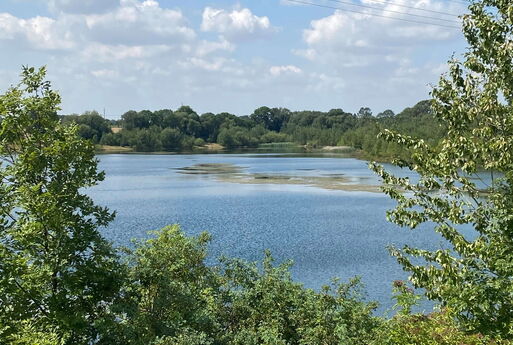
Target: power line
point(410, 7)
point(464, 2)
point(372, 14)
point(392, 11)
point(461, 1)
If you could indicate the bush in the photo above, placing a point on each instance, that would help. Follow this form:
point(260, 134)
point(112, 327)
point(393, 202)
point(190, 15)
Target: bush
point(170, 289)
point(274, 137)
point(438, 328)
point(199, 142)
point(173, 297)
point(264, 306)
point(111, 139)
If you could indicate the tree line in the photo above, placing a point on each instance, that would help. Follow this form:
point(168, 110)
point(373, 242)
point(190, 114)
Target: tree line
point(184, 129)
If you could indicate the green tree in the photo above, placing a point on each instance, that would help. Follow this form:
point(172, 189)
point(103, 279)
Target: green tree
point(272, 119)
point(171, 291)
point(56, 270)
point(386, 113)
point(113, 139)
point(147, 140)
point(92, 125)
point(133, 119)
point(364, 112)
point(474, 100)
point(171, 139)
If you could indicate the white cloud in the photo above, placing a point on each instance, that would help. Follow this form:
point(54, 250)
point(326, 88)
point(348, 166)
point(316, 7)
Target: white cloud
point(39, 32)
point(347, 40)
point(132, 23)
point(141, 23)
point(343, 35)
point(237, 25)
point(321, 82)
point(289, 69)
point(359, 54)
point(209, 65)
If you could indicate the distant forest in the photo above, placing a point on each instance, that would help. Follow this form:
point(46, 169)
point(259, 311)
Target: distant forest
point(183, 129)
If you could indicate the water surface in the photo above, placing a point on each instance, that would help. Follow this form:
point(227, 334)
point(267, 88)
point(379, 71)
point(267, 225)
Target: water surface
point(327, 233)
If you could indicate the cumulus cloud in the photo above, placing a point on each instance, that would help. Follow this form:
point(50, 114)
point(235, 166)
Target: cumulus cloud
point(132, 23)
point(344, 35)
point(38, 32)
point(360, 54)
point(137, 22)
point(349, 40)
point(134, 52)
point(237, 25)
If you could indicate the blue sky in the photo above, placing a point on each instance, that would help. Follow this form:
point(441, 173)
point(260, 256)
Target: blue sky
point(230, 55)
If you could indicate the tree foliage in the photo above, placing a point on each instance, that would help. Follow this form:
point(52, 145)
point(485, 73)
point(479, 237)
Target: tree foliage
point(55, 268)
point(91, 125)
point(170, 291)
point(474, 101)
point(179, 130)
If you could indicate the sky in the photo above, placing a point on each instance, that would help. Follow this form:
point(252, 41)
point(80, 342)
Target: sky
point(229, 55)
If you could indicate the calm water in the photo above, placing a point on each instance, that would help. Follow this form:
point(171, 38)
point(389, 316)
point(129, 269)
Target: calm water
point(327, 233)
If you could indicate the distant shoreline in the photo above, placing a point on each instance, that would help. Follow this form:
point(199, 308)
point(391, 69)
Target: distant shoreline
point(326, 151)
point(214, 147)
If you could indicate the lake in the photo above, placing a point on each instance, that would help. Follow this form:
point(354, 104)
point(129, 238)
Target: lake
point(322, 212)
